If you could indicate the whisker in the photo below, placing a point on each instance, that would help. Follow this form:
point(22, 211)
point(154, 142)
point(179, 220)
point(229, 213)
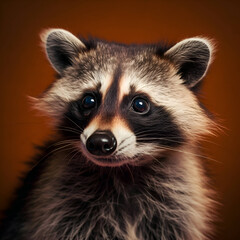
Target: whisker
point(65, 147)
point(69, 128)
point(147, 132)
point(76, 152)
point(57, 149)
point(152, 138)
point(120, 149)
point(65, 141)
point(156, 159)
point(73, 122)
point(130, 172)
point(62, 142)
point(121, 143)
point(191, 153)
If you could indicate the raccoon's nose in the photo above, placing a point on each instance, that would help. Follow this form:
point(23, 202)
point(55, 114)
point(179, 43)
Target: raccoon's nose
point(101, 143)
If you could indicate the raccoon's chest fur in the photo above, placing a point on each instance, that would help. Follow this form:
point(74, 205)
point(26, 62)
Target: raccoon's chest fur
point(74, 201)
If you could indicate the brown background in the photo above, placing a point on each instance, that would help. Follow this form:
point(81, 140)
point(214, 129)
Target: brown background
point(25, 71)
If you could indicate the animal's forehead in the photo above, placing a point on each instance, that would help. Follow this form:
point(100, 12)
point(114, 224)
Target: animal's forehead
point(97, 70)
point(142, 63)
point(159, 48)
point(102, 52)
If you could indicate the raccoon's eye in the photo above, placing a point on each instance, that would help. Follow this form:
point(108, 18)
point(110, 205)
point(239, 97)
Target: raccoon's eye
point(140, 105)
point(89, 102)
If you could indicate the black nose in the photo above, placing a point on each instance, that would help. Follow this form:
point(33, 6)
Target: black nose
point(101, 143)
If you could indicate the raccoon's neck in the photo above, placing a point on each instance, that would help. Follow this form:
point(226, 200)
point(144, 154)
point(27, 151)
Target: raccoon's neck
point(164, 197)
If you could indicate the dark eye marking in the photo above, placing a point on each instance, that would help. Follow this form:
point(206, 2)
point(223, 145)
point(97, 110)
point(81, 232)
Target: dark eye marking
point(150, 122)
point(79, 113)
point(140, 105)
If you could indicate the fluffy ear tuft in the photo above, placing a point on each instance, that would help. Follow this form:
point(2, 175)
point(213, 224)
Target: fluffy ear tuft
point(192, 57)
point(61, 48)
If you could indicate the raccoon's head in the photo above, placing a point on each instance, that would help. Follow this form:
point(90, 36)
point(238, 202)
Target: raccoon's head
point(121, 103)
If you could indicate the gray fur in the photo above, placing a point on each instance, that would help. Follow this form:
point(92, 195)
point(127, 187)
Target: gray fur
point(188, 208)
point(162, 192)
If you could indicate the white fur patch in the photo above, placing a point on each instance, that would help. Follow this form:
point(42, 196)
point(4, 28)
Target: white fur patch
point(126, 139)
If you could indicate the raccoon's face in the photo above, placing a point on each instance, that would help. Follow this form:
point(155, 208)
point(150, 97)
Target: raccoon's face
point(123, 104)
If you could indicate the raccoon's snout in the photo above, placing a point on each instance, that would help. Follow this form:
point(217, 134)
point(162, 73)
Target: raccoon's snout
point(101, 143)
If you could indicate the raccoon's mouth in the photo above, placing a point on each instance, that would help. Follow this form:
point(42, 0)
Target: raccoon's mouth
point(101, 148)
point(110, 161)
point(113, 160)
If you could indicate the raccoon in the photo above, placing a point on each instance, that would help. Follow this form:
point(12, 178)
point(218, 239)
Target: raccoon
point(124, 162)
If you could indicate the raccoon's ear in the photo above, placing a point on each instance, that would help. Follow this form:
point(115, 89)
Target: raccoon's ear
point(62, 48)
point(192, 57)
